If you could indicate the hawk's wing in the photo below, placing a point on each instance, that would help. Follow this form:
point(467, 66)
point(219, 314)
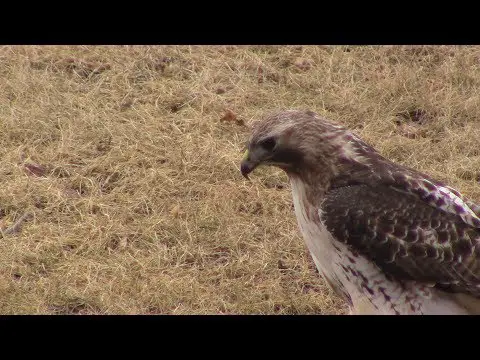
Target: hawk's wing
point(406, 237)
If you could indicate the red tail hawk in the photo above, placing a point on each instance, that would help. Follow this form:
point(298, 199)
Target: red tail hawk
point(387, 238)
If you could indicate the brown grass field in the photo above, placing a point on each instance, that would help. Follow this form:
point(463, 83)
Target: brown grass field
point(126, 161)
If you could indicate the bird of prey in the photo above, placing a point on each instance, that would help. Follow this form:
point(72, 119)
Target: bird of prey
point(387, 238)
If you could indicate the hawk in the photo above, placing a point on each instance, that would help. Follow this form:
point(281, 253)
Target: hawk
point(387, 238)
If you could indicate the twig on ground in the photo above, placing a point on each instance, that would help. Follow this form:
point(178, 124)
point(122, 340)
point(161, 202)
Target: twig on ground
point(17, 226)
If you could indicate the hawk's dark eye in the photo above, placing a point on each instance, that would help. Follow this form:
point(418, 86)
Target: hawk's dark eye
point(268, 143)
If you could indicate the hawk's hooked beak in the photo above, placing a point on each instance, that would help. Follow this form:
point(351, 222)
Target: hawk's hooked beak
point(247, 165)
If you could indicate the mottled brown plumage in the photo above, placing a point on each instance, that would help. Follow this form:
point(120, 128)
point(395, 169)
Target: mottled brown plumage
point(372, 226)
point(407, 238)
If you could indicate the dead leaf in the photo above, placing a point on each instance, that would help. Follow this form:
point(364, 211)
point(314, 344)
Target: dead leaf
point(35, 169)
point(229, 116)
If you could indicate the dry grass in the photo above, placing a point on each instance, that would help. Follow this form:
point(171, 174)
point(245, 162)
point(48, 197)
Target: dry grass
point(127, 158)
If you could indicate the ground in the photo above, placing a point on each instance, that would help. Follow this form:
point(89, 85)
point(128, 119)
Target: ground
point(127, 160)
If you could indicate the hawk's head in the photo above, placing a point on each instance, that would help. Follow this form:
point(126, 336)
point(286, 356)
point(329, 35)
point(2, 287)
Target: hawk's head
point(297, 142)
point(323, 155)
